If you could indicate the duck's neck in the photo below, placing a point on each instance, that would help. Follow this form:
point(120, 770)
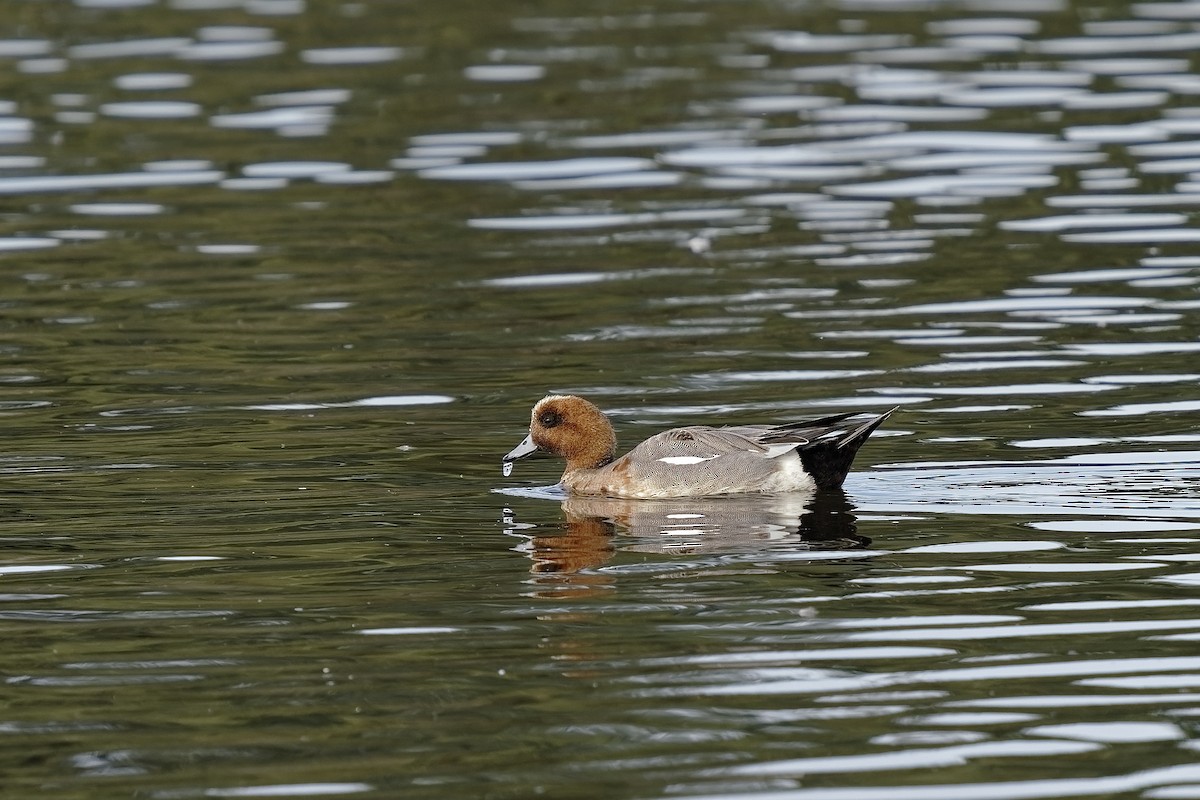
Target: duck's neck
point(582, 464)
point(595, 449)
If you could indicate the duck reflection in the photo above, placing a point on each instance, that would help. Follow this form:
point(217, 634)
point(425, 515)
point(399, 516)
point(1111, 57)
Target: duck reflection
point(686, 526)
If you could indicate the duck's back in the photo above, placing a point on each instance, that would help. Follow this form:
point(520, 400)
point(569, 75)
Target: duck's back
point(700, 461)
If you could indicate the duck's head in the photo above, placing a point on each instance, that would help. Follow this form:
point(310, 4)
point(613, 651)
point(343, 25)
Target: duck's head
point(568, 427)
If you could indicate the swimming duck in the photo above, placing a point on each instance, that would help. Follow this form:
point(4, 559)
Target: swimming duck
point(696, 461)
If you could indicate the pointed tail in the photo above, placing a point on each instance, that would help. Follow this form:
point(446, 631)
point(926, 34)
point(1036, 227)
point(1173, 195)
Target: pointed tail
point(828, 459)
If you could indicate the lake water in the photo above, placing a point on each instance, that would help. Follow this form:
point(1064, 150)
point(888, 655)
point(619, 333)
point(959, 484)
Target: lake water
point(282, 279)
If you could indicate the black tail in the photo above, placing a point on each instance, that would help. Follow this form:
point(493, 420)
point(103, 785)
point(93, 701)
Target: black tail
point(828, 458)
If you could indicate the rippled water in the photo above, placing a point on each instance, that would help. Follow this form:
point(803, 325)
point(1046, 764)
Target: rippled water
point(285, 276)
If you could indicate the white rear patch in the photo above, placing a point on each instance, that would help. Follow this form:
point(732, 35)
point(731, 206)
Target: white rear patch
point(789, 477)
point(684, 460)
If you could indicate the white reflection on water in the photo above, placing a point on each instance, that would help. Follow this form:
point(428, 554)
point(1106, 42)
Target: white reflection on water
point(826, 654)
point(27, 243)
point(753, 682)
point(358, 177)
point(138, 48)
point(568, 221)
point(304, 120)
point(283, 790)
point(514, 170)
point(893, 580)
point(1147, 236)
point(901, 759)
point(986, 365)
point(1101, 786)
point(397, 400)
point(1155, 682)
point(1114, 525)
point(25, 569)
point(153, 81)
point(227, 51)
point(985, 547)
point(505, 73)
point(1111, 732)
point(124, 180)
point(1019, 631)
point(293, 169)
point(1056, 303)
point(576, 278)
point(628, 180)
point(351, 55)
point(1139, 409)
point(1032, 389)
point(1108, 275)
point(1068, 222)
point(1127, 484)
point(1108, 45)
point(118, 209)
point(1133, 348)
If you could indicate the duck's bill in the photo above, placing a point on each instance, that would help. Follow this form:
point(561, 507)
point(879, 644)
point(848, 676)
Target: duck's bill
point(525, 449)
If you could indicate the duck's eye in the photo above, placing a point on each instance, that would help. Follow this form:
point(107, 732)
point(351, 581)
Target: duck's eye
point(549, 419)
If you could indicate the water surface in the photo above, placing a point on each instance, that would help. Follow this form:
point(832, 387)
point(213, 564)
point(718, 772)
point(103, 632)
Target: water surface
point(283, 279)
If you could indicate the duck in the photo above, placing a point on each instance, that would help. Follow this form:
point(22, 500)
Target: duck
point(693, 461)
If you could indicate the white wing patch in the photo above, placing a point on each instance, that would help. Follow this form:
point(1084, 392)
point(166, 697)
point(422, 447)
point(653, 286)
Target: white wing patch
point(685, 460)
point(780, 448)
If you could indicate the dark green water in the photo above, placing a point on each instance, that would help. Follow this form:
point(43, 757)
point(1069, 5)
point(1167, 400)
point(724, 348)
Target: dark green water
point(281, 281)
